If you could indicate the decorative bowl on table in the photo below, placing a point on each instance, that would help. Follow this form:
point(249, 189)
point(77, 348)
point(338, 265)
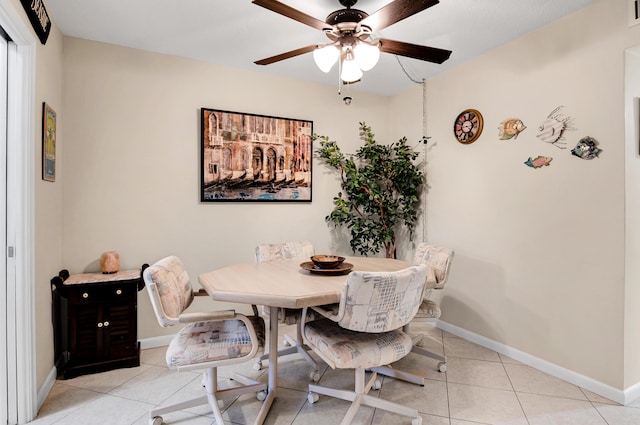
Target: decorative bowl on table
point(327, 262)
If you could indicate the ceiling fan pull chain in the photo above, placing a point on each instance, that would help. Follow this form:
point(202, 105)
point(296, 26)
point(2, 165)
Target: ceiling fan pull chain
point(405, 71)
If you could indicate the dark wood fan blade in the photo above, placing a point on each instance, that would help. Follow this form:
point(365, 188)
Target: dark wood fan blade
point(286, 55)
point(396, 11)
point(424, 53)
point(290, 12)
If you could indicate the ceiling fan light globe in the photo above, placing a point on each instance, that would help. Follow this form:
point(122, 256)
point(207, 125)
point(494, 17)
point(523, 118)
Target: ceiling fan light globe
point(367, 55)
point(325, 57)
point(351, 71)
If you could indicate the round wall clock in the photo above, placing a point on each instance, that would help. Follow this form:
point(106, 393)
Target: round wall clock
point(468, 126)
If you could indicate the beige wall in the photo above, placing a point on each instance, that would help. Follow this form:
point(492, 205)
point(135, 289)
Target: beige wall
point(132, 161)
point(48, 196)
point(632, 220)
point(540, 252)
point(48, 205)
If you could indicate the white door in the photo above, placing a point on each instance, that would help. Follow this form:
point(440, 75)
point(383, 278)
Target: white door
point(4, 341)
point(18, 392)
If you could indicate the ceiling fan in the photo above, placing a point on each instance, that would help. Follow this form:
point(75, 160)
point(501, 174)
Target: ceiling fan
point(350, 34)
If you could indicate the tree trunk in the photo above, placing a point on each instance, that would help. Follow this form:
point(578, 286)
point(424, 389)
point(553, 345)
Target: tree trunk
point(390, 248)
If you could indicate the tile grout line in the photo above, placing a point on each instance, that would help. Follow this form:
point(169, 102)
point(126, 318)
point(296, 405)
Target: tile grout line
point(592, 405)
point(446, 376)
point(526, 418)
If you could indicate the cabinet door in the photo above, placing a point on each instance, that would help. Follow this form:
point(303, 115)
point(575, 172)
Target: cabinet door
point(120, 338)
point(84, 333)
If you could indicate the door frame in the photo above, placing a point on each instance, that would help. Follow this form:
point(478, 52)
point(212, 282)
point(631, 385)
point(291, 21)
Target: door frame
point(21, 123)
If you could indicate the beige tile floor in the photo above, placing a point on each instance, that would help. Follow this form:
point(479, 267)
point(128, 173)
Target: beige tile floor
point(480, 387)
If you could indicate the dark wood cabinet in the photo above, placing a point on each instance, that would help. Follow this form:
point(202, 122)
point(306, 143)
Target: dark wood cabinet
point(95, 321)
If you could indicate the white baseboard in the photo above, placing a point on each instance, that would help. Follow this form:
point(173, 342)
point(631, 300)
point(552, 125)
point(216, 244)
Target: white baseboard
point(604, 390)
point(623, 397)
point(156, 341)
point(632, 393)
point(46, 387)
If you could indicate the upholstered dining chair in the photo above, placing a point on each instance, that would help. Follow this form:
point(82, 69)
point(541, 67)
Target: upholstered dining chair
point(367, 332)
point(438, 260)
point(208, 339)
point(301, 250)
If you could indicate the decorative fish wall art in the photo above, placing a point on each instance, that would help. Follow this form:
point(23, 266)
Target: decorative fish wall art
point(587, 148)
point(552, 129)
point(538, 161)
point(510, 128)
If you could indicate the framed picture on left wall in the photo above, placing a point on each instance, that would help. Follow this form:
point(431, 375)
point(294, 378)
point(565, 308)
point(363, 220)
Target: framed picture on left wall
point(48, 143)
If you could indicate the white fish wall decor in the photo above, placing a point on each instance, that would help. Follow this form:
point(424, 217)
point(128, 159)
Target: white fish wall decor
point(510, 128)
point(552, 129)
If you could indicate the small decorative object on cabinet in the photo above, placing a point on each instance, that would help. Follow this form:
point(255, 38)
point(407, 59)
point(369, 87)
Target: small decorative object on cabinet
point(95, 321)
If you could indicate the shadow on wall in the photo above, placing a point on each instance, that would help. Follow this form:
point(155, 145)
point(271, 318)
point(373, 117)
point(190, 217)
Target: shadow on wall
point(340, 237)
point(479, 298)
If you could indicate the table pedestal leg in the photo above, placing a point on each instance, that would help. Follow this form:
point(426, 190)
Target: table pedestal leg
point(273, 365)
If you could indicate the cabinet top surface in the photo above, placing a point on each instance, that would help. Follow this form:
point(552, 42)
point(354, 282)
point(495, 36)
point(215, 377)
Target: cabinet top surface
point(83, 278)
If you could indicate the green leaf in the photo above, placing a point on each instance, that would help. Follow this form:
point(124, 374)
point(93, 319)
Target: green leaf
point(381, 189)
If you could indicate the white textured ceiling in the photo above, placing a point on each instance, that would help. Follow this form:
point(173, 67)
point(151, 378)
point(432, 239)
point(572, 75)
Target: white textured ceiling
point(237, 33)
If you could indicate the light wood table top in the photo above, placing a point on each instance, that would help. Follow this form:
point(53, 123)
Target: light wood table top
point(285, 283)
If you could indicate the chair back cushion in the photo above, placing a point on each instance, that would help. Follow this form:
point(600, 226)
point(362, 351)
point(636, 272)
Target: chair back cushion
point(300, 250)
point(169, 289)
point(438, 259)
point(284, 251)
point(382, 301)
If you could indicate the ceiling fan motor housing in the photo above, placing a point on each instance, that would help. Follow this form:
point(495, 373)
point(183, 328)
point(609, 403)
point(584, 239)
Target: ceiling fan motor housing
point(346, 15)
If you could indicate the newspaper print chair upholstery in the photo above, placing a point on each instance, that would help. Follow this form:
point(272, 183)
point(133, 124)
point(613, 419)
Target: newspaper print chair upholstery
point(438, 260)
point(300, 250)
point(207, 340)
point(367, 332)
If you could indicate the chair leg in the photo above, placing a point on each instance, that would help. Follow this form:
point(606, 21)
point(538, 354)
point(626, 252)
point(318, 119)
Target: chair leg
point(178, 406)
point(211, 387)
point(361, 397)
point(389, 406)
point(412, 377)
point(423, 352)
point(213, 395)
point(417, 349)
point(400, 374)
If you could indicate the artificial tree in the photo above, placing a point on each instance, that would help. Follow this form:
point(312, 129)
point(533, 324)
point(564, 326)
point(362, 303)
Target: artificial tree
point(382, 186)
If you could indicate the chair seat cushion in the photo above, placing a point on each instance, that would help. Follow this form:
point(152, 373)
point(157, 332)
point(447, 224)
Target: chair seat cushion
point(350, 349)
point(203, 342)
point(428, 310)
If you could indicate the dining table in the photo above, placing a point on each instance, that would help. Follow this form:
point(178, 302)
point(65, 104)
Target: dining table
point(285, 284)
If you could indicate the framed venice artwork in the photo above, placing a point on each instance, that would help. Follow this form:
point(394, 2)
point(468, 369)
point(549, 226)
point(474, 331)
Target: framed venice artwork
point(48, 143)
point(254, 158)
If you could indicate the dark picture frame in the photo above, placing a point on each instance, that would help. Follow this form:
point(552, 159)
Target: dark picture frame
point(254, 158)
point(48, 143)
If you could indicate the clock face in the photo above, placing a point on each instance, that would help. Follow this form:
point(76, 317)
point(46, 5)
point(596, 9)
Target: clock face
point(468, 126)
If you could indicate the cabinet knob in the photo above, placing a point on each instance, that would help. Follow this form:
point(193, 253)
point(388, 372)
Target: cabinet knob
point(118, 291)
point(106, 323)
point(85, 295)
point(100, 324)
